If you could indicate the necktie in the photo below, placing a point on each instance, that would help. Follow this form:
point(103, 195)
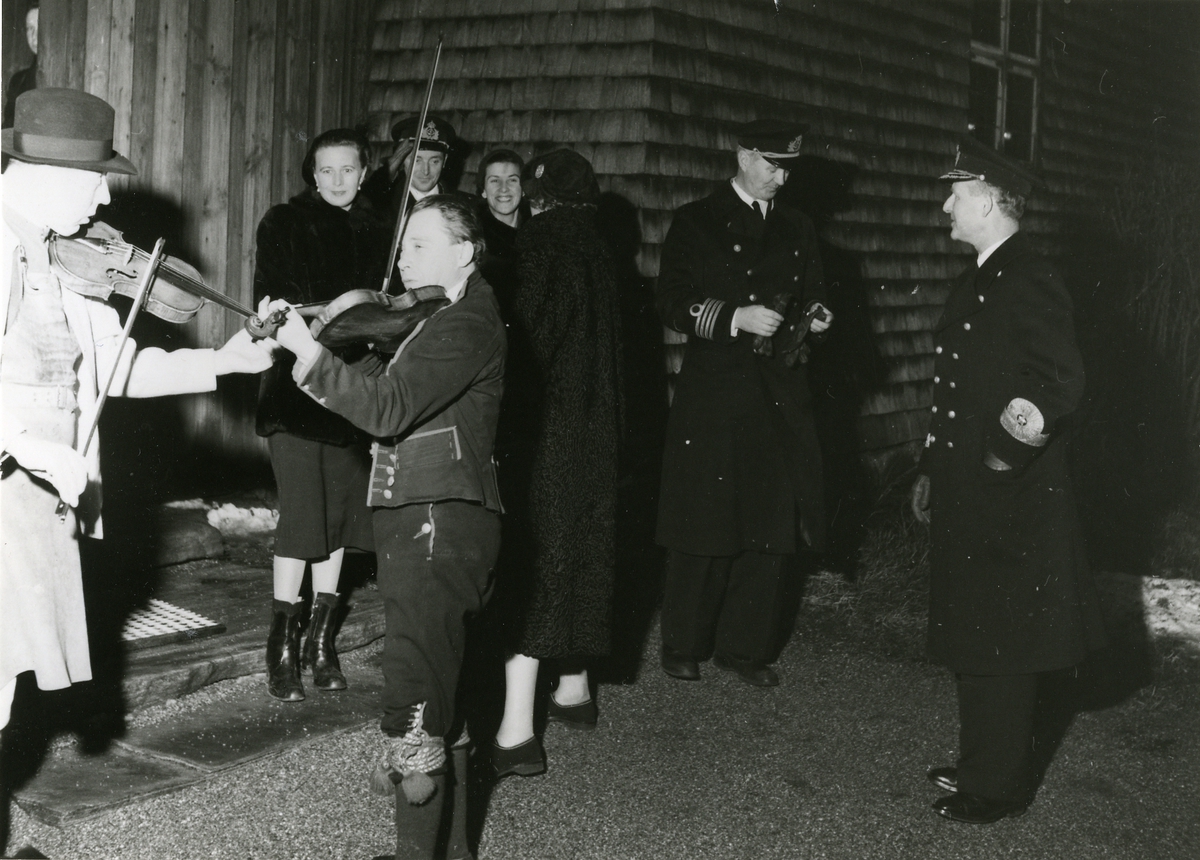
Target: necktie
point(757, 209)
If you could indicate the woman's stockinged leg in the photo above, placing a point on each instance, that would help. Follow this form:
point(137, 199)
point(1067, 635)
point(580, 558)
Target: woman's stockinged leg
point(289, 575)
point(326, 573)
point(520, 683)
point(572, 688)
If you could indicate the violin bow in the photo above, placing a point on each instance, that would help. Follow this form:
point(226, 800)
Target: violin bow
point(143, 290)
point(391, 263)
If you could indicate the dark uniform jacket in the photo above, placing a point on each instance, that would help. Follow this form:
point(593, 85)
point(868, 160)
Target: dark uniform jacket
point(1010, 589)
point(433, 412)
point(741, 465)
point(310, 251)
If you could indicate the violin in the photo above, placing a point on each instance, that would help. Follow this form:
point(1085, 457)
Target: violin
point(368, 316)
point(100, 267)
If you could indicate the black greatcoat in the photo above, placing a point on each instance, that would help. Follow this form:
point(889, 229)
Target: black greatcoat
point(1010, 590)
point(741, 465)
point(310, 251)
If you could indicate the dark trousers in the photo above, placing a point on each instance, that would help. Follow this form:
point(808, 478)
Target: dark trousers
point(727, 605)
point(996, 728)
point(435, 569)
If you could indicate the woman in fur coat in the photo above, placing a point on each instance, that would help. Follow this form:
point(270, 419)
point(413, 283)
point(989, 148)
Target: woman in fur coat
point(564, 406)
point(320, 244)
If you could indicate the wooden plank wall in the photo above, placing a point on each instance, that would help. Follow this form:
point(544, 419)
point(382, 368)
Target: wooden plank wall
point(216, 101)
point(14, 48)
point(652, 90)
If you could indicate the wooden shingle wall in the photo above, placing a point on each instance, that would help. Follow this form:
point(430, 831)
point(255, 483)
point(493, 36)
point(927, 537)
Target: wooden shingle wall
point(216, 101)
point(652, 90)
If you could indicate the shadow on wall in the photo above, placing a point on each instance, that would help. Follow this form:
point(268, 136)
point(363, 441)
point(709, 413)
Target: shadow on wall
point(638, 585)
point(843, 369)
point(1131, 455)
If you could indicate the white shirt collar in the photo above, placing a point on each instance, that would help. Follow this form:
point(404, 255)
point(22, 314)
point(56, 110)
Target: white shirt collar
point(455, 292)
point(421, 195)
point(765, 205)
point(987, 252)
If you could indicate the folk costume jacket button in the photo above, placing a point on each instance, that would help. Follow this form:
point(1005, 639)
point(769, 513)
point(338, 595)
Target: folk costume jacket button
point(949, 444)
point(797, 253)
point(391, 470)
point(938, 350)
point(392, 480)
point(936, 380)
point(387, 494)
point(934, 408)
point(753, 297)
point(953, 385)
point(737, 247)
point(796, 278)
point(950, 413)
point(954, 356)
point(749, 272)
point(966, 326)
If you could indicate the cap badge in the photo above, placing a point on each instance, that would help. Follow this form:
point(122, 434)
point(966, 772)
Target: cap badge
point(430, 132)
point(794, 146)
point(537, 173)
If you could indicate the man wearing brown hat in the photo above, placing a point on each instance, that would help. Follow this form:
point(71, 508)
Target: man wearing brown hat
point(1011, 598)
point(60, 347)
point(385, 187)
point(741, 485)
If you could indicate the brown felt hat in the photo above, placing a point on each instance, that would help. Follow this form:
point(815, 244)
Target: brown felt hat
point(64, 128)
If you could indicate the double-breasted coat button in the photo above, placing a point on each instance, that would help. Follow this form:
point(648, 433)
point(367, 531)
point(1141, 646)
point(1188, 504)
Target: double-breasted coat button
point(936, 380)
point(966, 326)
point(753, 297)
point(749, 272)
point(934, 408)
point(950, 413)
point(953, 385)
point(737, 247)
point(932, 438)
point(797, 253)
point(981, 298)
point(949, 444)
point(938, 350)
point(954, 356)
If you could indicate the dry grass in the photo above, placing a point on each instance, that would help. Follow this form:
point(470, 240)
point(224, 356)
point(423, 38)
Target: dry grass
point(886, 602)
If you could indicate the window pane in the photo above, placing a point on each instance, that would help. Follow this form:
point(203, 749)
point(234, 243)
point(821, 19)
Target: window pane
point(1018, 124)
point(1022, 28)
point(985, 21)
point(985, 101)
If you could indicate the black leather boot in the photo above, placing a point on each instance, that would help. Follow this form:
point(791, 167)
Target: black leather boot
point(318, 645)
point(283, 652)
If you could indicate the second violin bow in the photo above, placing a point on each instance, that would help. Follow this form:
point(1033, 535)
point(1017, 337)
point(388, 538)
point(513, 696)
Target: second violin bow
point(391, 263)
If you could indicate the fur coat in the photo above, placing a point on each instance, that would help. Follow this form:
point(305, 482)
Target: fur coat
point(563, 423)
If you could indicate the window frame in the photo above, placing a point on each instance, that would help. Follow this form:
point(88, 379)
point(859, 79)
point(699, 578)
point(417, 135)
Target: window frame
point(1008, 62)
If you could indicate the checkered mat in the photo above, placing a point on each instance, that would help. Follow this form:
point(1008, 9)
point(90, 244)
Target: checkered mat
point(161, 623)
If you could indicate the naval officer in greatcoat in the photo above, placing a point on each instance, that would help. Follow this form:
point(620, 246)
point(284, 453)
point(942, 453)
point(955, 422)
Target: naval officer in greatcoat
point(741, 486)
point(1011, 595)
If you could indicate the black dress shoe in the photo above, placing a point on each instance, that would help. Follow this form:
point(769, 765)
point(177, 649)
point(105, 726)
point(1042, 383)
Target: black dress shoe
point(945, 778)
point(525, 759)
point(973, 809)
point(751, 671)
point(681, 667)
point(581, 716)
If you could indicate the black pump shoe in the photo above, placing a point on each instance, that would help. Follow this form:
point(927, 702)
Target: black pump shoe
point(283, 653)
point(525, 759)
point(581, 716)
point(319, 654)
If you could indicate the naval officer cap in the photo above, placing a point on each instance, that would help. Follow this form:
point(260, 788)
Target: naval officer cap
point(438, 134)
point(976, 160)
point(775, 140)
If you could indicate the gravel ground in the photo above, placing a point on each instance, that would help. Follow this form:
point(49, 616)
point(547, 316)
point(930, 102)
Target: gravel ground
point(829, 765)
